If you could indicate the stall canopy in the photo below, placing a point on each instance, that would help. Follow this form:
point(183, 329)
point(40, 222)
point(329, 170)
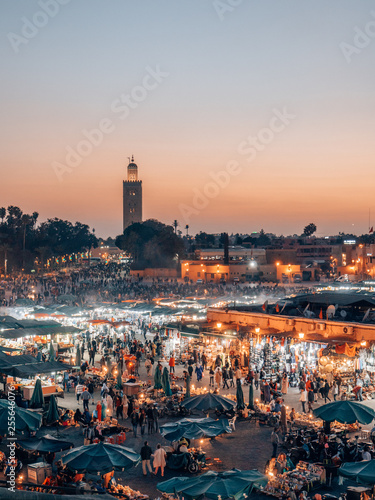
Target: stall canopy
point(18, 333)
point(32, 369)
point(25, 420)
point(100, 458)
point(230, 484)
point(208, 401)
point(45, 444)
point(362, 472)
point(346, 412)
point(195, 428)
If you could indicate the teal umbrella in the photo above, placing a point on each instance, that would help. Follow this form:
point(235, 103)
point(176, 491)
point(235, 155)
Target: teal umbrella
point(25, 420)
point(52, 354)
point(187, 395)
point(251, 396)
point(346, 412)
point(78, 357)
point(157, 379)
point(239, 396)
point(45, 444)
point(195, 428)
point(230, 484)
point(119, 382)
point(37, 398)
point(208, 401)
point(53, 412)
point(101, 458)
point(362, 472)
point(165, 382)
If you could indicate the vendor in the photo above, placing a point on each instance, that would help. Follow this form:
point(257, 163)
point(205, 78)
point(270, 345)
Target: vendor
point(182, 446)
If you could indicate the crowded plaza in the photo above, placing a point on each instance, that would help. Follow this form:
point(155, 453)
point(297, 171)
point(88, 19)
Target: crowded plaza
point(131, 388)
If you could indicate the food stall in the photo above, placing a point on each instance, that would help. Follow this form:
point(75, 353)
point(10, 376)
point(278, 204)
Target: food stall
point(305, 477)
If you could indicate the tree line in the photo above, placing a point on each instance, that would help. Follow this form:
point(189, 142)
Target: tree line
point(26, 244)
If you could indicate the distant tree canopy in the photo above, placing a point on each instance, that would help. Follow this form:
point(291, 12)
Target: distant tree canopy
point(309, 229)
point(151, 244)
point(204, 240)
point(22, 241)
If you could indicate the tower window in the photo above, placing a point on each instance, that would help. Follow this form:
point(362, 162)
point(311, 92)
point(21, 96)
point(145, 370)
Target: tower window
point(132, 210)
point(131, 193)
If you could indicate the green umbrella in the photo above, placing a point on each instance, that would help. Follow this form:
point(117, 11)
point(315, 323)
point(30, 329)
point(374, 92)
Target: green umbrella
point(346, 412)
point(229, 484)
point(101, 458)
point(45, 444)
point(53, 411)
point(251, 396)
point(165, 382)
point(195, 428)
point(37, 398)
point(157, 379)
point(187, 395)
point(361, 472)
point(52, 353)
point(78, 357)
point(119, 382)
point(239, 396)
point(25, 420)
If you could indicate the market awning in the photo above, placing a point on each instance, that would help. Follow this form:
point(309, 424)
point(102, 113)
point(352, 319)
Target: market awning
point(18, 333)
point(24, 371)
point(10, 361)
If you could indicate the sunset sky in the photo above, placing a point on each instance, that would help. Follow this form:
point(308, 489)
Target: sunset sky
point(221, 75)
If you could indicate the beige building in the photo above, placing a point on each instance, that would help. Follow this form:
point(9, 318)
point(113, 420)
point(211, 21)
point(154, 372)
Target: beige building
point(132, 196)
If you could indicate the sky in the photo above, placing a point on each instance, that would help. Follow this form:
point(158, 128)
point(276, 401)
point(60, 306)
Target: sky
point(241, 115)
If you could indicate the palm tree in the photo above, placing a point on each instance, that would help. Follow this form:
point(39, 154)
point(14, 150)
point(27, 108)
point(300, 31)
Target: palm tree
point(187, 229)
point(175, 225)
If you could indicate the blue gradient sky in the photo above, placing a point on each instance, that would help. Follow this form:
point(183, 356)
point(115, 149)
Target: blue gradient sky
point(225, 78)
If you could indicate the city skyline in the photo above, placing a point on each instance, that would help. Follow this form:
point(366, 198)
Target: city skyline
point(271, 103)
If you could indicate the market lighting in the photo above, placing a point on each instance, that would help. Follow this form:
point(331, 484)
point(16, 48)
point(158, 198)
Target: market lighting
point(257, 329)
point(218, 325)
point(301, 335)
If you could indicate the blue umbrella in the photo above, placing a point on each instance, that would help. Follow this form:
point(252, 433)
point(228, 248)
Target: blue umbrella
point(346, 412)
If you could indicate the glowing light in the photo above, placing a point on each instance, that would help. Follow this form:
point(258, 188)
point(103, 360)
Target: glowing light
point(301, 335)
point(218, 325)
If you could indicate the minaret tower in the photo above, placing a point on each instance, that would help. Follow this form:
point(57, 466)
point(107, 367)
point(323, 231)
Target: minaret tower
point(132, 196)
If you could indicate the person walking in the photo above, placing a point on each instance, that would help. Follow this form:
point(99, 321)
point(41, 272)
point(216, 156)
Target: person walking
point(212, 373)
point(79, 391)
point(326, 391)
point(135, 420)
point(218, 377)
point(225, 378)
point(146, 453)
point(284, 384)
point(159, 459)
point(302, 398)
point(335, 390)
point(172, 363)
point(150, 420)
point(256, 379)
point(310, 399)
point(85, 396)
